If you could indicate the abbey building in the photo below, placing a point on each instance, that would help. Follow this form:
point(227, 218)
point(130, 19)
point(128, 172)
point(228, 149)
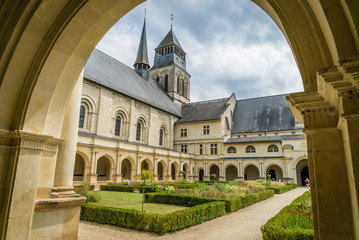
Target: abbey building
point(142, 118)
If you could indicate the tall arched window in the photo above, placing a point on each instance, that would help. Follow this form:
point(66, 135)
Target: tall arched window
point(166, 83)
point(162, 132)
point(231, 150)
point(182, 88)
point(250, 149)
point(118, 126)
point(178, 86)
point(273, 148)
point(138, 131)
point(82, 116)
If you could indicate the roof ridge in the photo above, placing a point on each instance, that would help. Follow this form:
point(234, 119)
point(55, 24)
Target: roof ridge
point(283, 94)
point(205, 101)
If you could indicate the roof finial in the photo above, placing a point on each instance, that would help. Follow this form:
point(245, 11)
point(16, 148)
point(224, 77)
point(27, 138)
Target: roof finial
point(171, 21)
point(145, 14)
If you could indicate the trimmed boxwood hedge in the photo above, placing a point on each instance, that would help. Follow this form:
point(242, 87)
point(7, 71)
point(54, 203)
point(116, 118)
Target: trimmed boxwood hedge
point(157, 223)
point(232, 204)
point(127, 188)
point(273, 229)
point(91, 187)
point(283, 189)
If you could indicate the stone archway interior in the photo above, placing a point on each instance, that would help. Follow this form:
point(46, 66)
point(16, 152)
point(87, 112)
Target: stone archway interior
point(173, 171)
point(126, 169)
point(103, 169)
point(144, 165)
point(214, 170)
point(231, 173)
point(251, 173)
point(302, 171)
point(275, 173)
point(201, 174)
point(79, 168)
point(185, 169)
point(160, 171)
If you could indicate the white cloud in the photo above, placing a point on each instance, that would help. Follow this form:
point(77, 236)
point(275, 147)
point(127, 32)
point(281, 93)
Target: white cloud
point(226, 51)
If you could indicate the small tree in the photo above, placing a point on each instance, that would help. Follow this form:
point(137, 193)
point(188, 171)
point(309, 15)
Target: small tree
point(144, 176)
point(213, 175)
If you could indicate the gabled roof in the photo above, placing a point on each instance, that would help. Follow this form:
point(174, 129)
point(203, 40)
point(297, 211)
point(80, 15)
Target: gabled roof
point(170, 39)
point(109, 72)
point(142, 55)
point(262, 114)
point(277, 138)
point(203, 111)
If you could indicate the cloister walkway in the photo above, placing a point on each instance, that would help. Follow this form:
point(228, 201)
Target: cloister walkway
point(243, 224)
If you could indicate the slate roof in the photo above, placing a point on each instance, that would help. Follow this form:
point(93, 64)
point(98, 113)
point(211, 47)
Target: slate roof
point(262, 114)
point(169, 39)
point(109, 72)
point(277, 138)
point(203, 111)
point(142, 56)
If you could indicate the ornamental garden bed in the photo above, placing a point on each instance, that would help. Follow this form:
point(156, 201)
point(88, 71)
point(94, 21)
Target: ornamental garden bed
point(294, 221)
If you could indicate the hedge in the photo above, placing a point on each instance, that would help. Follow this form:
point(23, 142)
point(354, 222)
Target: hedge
point(232, 204)
point(273, 229)
point(157, 223)
point(283, 189)
point(91, 187)
point(127, 188)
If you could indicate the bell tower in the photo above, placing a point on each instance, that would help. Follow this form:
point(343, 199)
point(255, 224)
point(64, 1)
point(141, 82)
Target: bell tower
point(169, 68)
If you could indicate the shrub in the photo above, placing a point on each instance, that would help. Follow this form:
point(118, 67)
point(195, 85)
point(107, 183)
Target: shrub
point(232, 204)
point(294, 221)
point(283, 189)
point(157, 223)
point(118, 188)
point(84, 190)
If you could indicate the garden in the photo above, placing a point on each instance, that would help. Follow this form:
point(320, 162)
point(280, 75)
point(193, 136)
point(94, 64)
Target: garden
point(294, 221)
point(163, 207)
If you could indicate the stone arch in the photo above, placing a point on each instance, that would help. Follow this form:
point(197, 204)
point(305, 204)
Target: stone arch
point(214, 169)
point(200, 174)
point(146, 164)
point(251, 172)
point(302, 171)
point(161, 170)
point(321, 34)
point(127, 168)
point(79, 168)
point(186, 169)
point(275, 171)
point(174, 170)
point(231, 172)
point(103, 169)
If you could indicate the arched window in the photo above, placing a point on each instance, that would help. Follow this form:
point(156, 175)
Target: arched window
point(231, 150)
point(166, 83)
point(250, 149)
point(178, 86)
point(138, 131)
point(118, 126)
point(82, 116)
point(182, 89)
point(158, 79)
point(273, 148)
point(162, 132)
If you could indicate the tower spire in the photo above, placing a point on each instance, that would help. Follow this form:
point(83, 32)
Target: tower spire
point(141, 64)
point(171, 20)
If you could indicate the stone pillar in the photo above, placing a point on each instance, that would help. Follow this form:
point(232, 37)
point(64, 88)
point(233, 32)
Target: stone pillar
point(93, 176)
point(261, 170)
point(222, 175)
point(240, 170)
point(155, 169)
point(118, 176)
point(66, 155)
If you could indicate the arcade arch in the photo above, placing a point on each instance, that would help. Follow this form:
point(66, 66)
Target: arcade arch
point(214, 169)
point(275, 172)
point(174, 170)
point(103, 169)
point(251, 172)
point(126, 169)
point(79, 169)
point(161, 170)
point(231, 173)
point(302, 171)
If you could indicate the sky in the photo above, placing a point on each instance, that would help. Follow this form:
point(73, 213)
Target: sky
point(232, 47)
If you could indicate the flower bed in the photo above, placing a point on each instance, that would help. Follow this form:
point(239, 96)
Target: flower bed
point(232, 204)
point(294, 221)
point(158, 223)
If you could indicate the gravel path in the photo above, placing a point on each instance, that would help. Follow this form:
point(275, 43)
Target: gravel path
point(243, 224)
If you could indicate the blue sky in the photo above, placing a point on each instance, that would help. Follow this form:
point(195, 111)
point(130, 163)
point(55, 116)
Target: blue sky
point(231, 47)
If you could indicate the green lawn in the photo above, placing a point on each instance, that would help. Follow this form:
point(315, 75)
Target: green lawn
point(133, 201)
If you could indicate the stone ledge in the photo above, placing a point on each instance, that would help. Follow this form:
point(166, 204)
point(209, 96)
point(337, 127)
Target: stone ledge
point(52, 203)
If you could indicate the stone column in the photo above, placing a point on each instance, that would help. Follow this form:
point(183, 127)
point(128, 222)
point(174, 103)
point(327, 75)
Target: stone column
point(222, 176)
point(261, 170)
point(138, 167)
point(240, 170)
point(155, 169)
point(93, 176)
point(118, 176)
point(66, 155)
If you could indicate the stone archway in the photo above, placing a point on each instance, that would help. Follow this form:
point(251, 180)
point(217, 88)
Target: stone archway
point(186, 170)
point(231, 173)
point(302, 171)
point(126, 169)
point(251, 172)
point(79, 169)
point(275, 172)
point(174, 171)
point(103, 169)
point(200, 175)
point(214, 169)
point(145, 165)
point(161, 170)
point(323, 36)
